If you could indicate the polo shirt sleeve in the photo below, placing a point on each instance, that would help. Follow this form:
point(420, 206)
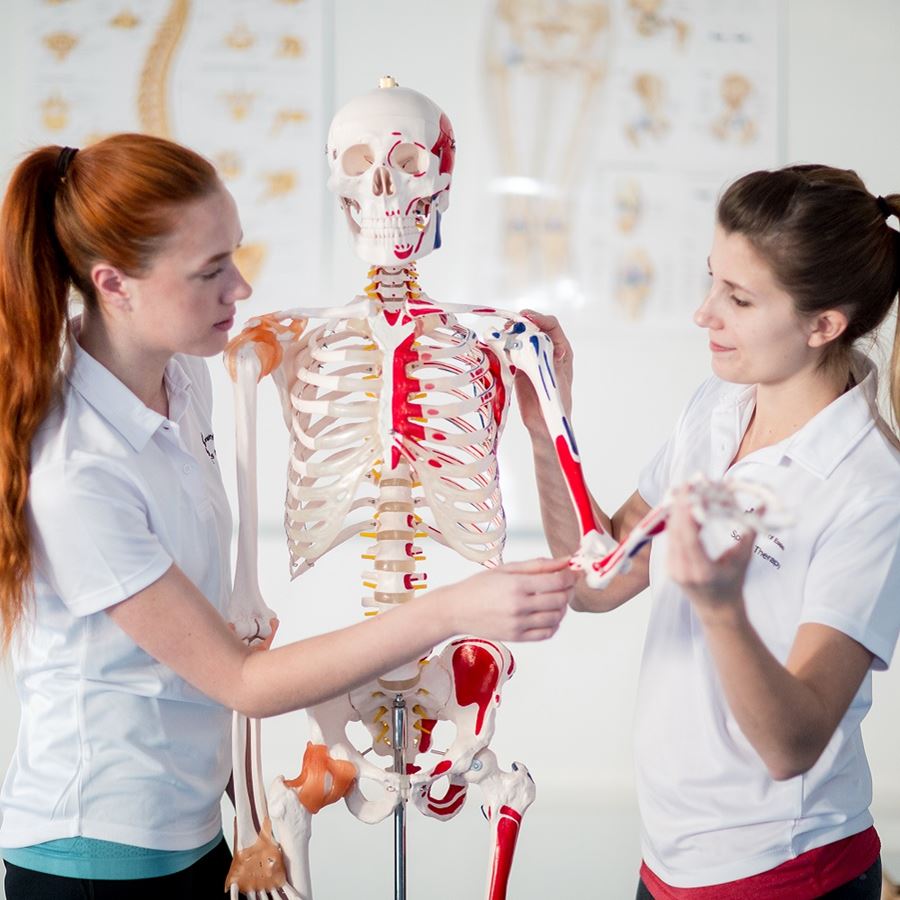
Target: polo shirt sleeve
point(653, 481)
point(91, 536)
point(656, 477)
point(853, 583)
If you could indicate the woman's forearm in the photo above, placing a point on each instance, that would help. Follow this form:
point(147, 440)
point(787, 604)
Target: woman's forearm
point(309, 671)
point(786, 720)
point(563, 532)
point(557, 512)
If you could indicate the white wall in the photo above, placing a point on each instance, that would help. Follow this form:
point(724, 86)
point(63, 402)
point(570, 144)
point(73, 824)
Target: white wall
point(567, 711)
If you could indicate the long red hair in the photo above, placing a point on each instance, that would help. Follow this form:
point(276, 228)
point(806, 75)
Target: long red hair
point(116, 201)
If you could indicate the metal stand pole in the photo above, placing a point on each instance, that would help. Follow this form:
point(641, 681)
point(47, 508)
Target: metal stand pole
point(399, 736)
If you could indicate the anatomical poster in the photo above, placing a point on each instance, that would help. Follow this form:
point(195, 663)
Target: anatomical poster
point(239, 81)
point(616, 123)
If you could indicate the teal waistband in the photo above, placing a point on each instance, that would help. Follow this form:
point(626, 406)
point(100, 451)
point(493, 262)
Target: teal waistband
point(81, 857)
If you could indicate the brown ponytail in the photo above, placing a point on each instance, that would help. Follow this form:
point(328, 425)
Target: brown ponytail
point(892, 202)
point(828, 243)
point(115, 201)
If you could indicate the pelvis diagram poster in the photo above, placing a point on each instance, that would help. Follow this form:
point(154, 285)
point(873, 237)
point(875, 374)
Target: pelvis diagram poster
point(237, 80)
point(616, 123)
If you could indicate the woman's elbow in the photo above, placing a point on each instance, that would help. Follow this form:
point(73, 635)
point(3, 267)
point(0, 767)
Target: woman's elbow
point(252, 704)
point(794, 761)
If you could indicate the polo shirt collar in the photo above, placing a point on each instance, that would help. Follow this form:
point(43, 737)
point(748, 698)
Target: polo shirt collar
point(135, 421)
point(823, 442)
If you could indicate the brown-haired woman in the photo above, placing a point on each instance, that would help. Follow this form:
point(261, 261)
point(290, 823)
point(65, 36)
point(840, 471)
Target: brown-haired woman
point(114, 533)
point(752, 777)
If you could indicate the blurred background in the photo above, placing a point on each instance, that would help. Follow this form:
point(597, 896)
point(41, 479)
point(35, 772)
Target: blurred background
point(592, 141)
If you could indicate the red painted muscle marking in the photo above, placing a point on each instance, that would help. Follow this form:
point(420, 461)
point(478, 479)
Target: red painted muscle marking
point(441, 767)
point(451, 801)
point(445, 147)
point(498, 406)
point(402, 409)
point(507, 835)
point(473, 640)
point(476, 676)
point(427, 726)
point(575, 480)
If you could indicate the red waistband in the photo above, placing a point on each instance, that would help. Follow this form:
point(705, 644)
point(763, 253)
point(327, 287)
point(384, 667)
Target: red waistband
point(804, 877)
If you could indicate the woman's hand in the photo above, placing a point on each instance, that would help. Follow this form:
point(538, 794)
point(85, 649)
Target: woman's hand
point(529, 406)
point(714, 587)
point(522, 601)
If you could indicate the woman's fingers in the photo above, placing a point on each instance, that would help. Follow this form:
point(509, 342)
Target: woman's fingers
point(548, 619)
point(741, 552)
point(538, 634)
point(562, 349)
point(535, 566)
point(706, 581)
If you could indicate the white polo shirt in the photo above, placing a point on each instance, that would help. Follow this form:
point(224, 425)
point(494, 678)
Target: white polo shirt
point(112, 744)
point(710, 811)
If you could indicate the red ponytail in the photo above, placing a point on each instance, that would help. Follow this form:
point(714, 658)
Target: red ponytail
point(117, 203)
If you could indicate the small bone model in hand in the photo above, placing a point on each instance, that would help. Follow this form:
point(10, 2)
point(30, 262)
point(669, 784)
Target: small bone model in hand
point(710, 502)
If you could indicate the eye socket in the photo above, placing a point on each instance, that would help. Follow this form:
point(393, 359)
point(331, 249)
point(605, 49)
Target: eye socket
point(357, 159)
point(408, 158)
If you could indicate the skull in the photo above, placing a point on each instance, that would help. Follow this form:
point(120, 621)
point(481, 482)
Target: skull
point(391, 152)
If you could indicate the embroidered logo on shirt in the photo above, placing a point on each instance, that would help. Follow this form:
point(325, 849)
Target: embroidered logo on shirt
point(209, 445)
point(763, 554)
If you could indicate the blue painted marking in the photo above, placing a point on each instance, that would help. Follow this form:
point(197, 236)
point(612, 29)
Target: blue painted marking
point(437, 228)
point(518, 328)
point(549, 369)
point(571, 436)
point(535, 344)
point(544, 383)
point(639, 547)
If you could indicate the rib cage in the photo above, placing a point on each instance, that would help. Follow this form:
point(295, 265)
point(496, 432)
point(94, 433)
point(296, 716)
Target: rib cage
point(449, 437)
point(333, 440)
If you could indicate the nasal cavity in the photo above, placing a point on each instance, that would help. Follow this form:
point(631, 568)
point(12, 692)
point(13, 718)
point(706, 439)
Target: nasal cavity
point(382, 183)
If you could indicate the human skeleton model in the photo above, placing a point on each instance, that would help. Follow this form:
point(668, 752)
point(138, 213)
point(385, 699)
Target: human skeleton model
point(395, 410)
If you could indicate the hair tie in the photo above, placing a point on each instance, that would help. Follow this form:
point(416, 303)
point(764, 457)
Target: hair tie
point(64, 160)
point(884, 207)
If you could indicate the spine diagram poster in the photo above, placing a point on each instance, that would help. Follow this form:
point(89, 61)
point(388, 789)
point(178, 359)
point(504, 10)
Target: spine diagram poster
point(239, 81)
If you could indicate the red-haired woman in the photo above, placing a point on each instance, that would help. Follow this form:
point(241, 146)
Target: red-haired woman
point(757, 667)
point(114, 533)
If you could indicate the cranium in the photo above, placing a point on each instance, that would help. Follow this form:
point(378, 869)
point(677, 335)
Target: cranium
point(391, 152)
